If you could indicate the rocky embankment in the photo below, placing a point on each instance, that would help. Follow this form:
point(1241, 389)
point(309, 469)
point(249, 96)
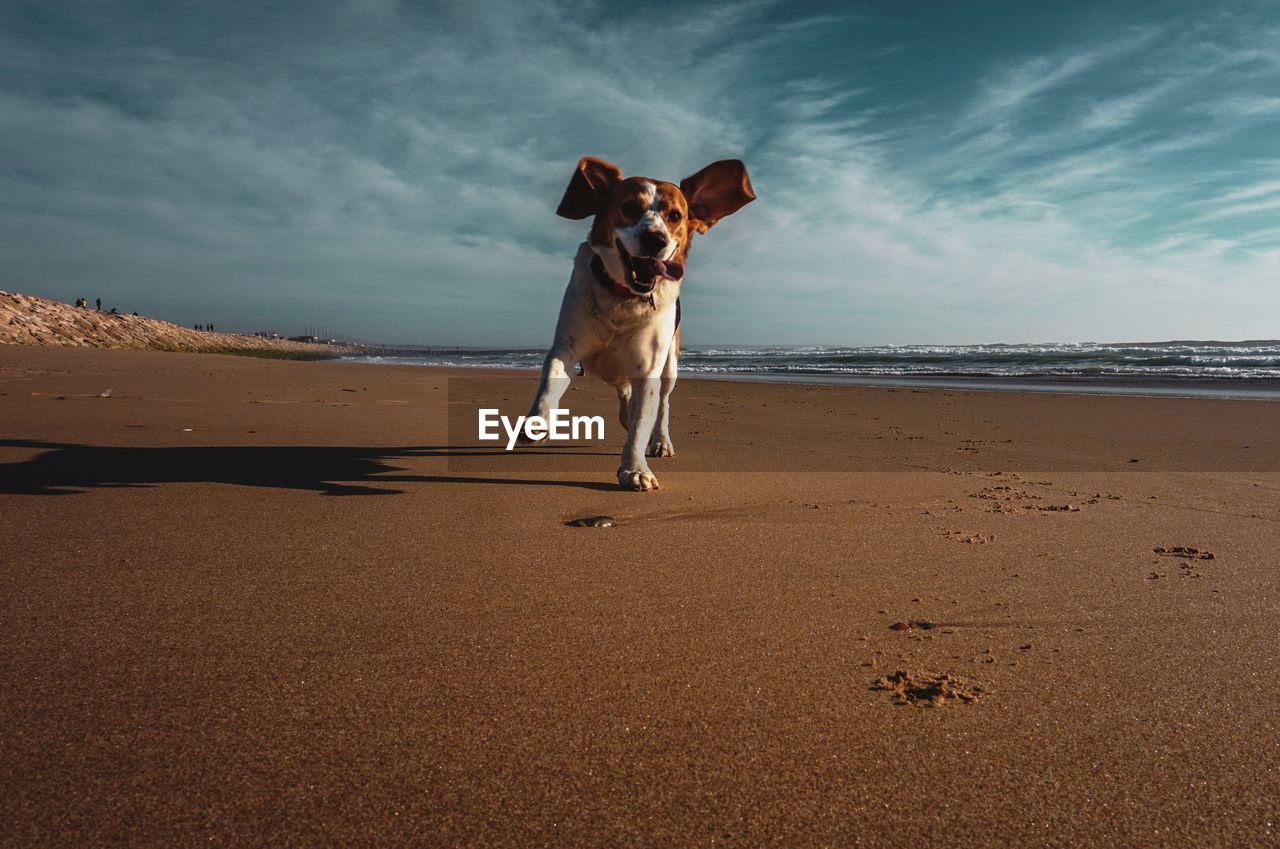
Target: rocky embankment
point(27, 320)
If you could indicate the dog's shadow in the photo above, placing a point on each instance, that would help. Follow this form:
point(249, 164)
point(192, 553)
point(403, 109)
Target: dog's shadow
point(64, 469)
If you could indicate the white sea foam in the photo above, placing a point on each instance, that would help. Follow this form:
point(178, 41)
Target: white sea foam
point(1081, 360)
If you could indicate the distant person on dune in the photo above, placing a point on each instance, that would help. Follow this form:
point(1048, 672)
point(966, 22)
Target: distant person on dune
point(99, 304)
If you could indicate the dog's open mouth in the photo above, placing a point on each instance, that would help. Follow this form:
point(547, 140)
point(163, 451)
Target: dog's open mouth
point(644, 272)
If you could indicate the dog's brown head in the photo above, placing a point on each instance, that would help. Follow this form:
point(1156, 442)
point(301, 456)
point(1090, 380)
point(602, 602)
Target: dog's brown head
point(643, 227)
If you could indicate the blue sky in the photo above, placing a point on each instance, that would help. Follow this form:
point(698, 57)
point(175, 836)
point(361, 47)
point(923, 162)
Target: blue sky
point(926, 172)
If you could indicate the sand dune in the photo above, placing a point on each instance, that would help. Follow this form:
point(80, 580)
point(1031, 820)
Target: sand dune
point(28, 320)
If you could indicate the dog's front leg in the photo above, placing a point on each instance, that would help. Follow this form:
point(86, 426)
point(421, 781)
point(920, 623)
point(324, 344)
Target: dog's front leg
point(552, 385)
point(634, 472)
point(660, 443)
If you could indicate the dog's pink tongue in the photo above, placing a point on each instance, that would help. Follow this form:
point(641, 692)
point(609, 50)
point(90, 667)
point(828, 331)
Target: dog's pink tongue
point(662, 268)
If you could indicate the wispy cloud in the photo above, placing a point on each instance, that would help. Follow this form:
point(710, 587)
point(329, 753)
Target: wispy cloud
point(1237, 209)
point(1011, 87)
point(1122, 111)
point(1266, 187)
point(1251, 106)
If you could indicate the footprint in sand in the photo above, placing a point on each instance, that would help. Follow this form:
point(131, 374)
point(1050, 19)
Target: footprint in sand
point(1184, 551)
point(972, 539)
point(927, 688)
point(1005, 499)
point(1190, 554)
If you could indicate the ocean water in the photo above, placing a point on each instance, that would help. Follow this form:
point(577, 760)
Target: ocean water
point(1138, 361)
point(1242, 370)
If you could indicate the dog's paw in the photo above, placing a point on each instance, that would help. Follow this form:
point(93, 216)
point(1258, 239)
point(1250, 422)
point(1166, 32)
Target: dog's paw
point(660, 448)
point(637, 480)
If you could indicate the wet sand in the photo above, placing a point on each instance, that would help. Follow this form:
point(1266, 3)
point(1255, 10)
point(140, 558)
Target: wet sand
point(269, 603)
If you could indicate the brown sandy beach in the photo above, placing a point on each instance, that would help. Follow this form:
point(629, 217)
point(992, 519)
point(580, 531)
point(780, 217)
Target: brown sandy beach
point(269, 603)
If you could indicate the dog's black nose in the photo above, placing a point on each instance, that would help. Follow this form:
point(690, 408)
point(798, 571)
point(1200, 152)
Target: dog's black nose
point(653, 242)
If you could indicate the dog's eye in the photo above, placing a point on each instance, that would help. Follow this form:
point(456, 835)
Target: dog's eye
point(674, 215)
point(631, 210)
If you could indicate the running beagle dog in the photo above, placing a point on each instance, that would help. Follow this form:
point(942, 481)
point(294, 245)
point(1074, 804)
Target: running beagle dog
point(620, 317)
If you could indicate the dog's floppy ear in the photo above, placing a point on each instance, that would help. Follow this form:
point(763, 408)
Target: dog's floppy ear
point(588, 188)
point(720, 189)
